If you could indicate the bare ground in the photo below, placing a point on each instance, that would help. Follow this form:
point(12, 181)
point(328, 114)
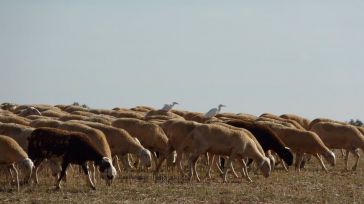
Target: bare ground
point(308, 186)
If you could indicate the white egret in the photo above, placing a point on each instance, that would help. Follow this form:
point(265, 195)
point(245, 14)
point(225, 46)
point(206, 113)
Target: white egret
point(168, 107)
point(211, 113)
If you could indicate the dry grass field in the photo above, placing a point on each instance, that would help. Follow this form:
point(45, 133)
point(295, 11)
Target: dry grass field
point(309, 186)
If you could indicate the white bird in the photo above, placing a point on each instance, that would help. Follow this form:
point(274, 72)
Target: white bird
point(168, 107)
point(211, 113)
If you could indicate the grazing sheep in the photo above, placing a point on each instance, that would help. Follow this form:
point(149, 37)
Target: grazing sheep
point(97, 138)
point(161, 114)
point(72, 108)
point(150, 135)
point(304, 122)
point(277, 119)
point(54, 113)
point(19, 133)
point(12, 153)
point(45, 123)
point(12, 118)
point(142, 109)
point(177, 132)
point(318, 120)
point(121, 142)
point(301, 142)
point(341, 136)
point(279, 122)
point(94, 118)
point(221, 140)
point(73, 148)
point(266, 139)
point(231, 116)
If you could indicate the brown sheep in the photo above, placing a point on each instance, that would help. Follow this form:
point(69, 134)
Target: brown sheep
point(301, 142)
point(281, 120)
point(161, 114)
point(54, 113)
point(12, 118)
point(241, 116)
point(304, 122)
point(318, 120)
point(150, 135)
point(12, 153)
point(177, 132)
point(142, 109)
point(229, 142)
point(340, 136)
point(121, 142)
point(19, 133)
point(45, 123)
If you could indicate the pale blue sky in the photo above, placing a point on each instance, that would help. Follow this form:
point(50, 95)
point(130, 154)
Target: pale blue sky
point(303, 57)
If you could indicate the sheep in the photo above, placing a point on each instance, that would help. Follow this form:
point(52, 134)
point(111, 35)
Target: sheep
point(177, 132)
point(12, 118)
point(12, 153)
point(340, 136)
point(230, 116)
point(97, 138)
point(161, 114)
point(54, 114)
point(266, 139)
point(225, 141)
point(142, 109)
point(8, 106)
point(317, 120)
point(72, 148)
point(280, 120)
point(45, 123)
point(19, 133)
point(150, 135)
point(95, 118)
point(83, 113)
point(121, 142)
point(304, 122)
point(301, 142)
point(36, 117)
point(72, 108)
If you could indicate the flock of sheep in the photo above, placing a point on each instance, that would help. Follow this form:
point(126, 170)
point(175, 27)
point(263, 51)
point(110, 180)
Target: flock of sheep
point(105, 142)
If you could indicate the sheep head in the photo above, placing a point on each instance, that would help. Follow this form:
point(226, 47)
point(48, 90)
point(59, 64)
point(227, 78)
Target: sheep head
point(108, 171)
point(330, 157)
point(28, 165)
point(265, 167)
point(146, 157)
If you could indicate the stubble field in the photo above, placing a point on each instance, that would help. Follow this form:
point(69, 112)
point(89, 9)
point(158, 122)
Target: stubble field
point(311, 185)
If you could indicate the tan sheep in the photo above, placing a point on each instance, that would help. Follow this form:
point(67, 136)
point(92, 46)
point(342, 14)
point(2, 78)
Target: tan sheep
point(177, 132)
point(341, 136)
point(12, 153)
point(241, 116)
point(220, 140)
point(281, 120)
point(301, 142)
point(150, 135)
point(161, 114)
point(12, 118)
point(121, 142)
point(45, 123)
point(72, 108)
point(304, 122)
point(318, 120)
point(19, 133)
point(54, 113)
point(97, 138)
point(142, 109)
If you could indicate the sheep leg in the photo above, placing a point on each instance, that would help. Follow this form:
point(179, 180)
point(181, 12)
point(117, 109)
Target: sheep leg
point(321, 162)
point(115, 162)
point(11, 173)
point(347, 160)
point(88, 176)
point(283, 164)
point(159, 163)
point(218, 165)
point(63, 173)
point(233, 170)
point(192, 164)
point(229, 164)
point(211, 162)
point(299, 157)
point(342, 153)
point(179, 163)
point(357, 155)
point(36, 168)
point(12, 167)
point(245, 170)
point(125, 160)
point(93, 172)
